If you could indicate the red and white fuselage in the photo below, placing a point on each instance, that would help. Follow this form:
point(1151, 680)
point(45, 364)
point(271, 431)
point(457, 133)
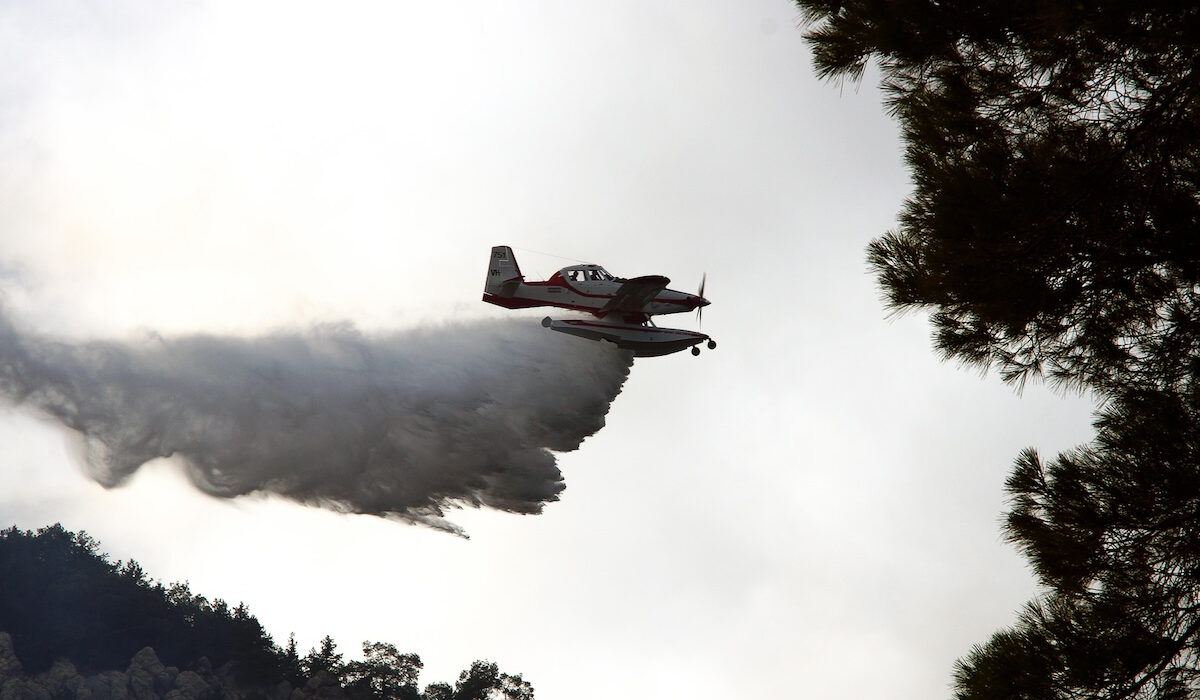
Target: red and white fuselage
point(622, 307)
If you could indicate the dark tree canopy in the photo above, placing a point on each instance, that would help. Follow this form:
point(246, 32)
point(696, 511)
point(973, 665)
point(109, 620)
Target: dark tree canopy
point(1054, 230)
point(61, 598)
point(484, 681)
point(325, 660)
point(385, 673)
point(1113, 532)
point(1055, 152)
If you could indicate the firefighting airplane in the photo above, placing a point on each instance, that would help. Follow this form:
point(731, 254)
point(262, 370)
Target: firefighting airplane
point(622, 307)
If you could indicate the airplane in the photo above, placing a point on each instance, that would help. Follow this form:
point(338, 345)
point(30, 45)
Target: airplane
point(623, 307)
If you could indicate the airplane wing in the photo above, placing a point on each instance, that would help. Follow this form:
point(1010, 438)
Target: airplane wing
point(633, 296)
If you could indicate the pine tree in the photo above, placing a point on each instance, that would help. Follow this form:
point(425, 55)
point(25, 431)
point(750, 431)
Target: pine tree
point(1054, 230)
point(291, 665)
point(326, 660)
point(1055, 151)
point(1112, 530)
point(384, 672)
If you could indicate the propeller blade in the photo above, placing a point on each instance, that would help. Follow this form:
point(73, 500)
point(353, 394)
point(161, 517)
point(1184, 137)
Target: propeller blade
point(700, 309)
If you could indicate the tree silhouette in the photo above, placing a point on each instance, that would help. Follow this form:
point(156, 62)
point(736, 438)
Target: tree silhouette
point(325, 660)
point(478, 682)
point(61, 598)
point(1112, 529)
point(384, 673)
point(1053, 231)
point(1055, 151)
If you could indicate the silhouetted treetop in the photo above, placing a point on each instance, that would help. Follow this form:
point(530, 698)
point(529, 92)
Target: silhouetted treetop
point(1112, 529)
point(484, 681)
point(62, 599)
point(1055, 153)
point(1054, 229)
point(384, 672)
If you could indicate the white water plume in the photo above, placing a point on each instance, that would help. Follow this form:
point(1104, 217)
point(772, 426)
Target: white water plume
point(401, 425)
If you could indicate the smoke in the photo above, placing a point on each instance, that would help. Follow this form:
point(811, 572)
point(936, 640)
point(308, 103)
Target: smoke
point(403, 425)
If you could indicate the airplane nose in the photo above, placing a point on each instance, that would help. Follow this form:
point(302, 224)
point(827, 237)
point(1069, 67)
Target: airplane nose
point(701, 301)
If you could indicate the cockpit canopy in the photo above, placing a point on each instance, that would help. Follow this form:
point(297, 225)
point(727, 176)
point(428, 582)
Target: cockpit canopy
point(585, 273)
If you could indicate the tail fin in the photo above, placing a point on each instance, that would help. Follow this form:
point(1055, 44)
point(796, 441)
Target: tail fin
point(504, 276)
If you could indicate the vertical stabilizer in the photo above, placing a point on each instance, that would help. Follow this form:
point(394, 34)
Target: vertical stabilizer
point(504, 276)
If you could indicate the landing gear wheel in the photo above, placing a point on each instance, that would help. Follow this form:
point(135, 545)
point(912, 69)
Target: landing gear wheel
point(712, 345)
point(695, 350)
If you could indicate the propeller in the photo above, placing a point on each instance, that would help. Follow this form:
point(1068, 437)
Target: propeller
point(700, 308)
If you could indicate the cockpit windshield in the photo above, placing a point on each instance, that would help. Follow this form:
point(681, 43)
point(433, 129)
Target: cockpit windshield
point(586, 273)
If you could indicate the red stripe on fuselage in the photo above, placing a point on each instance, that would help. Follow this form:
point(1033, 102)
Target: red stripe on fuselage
point(513, 302)
point(523, 303)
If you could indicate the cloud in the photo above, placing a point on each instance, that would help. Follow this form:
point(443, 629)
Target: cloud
point(401, 425)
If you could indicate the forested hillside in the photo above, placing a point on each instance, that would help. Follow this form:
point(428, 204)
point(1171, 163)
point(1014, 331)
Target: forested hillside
point(72, 623)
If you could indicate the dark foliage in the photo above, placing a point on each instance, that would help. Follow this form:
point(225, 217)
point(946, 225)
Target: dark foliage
point(484, 677)
point(325, 660)
point(290, 664)
point(384, 673)
point(1054, 229)
point(1055, 152)
point(61, 598)
point(1113, 531)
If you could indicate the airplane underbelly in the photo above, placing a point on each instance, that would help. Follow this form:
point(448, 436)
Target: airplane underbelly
point(644, 341)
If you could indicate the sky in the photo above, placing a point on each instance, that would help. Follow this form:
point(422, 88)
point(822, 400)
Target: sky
point(810, 510)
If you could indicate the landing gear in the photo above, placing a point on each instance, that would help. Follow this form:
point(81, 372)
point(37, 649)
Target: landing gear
point(695, 350)
point(712, 344)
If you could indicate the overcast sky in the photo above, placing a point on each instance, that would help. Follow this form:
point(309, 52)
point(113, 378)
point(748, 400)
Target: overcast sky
point(810, 510)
